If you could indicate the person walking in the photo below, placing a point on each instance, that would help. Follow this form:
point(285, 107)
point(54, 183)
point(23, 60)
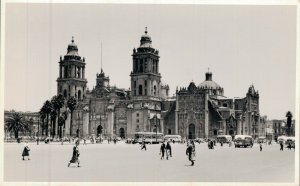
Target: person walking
point(84, 141)
point(168, 150)
point(162, 151)
point(37, 140)
point(143, 145)
point(289, 146)
point(26, 151)
point(260, 146)
point(115, 140)
point(189, 153)
point(281, 146)
point(75, 155)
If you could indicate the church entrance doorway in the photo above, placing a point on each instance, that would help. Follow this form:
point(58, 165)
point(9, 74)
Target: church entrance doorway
point(99, 130)
point(122, 132)
point(192, 131)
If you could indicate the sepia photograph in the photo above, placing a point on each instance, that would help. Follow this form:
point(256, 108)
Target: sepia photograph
point(149, 92)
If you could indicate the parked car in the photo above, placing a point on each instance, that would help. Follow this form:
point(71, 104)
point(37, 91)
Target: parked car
point(290, 140)
point(200, 140)
point(176, 138)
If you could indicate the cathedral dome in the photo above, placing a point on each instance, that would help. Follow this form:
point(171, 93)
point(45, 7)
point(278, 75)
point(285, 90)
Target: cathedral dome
point(209, 83)
point(72, 49)
point(145, 40)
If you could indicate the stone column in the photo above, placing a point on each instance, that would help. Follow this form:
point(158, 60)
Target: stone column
point(130, 130)
point(224, 126)
point(85, 119)
point(67, 125)
point(206, 115)
point(239, 126)
point(110, 124)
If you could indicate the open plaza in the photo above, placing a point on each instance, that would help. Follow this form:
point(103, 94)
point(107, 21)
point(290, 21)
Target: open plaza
point(123, 162)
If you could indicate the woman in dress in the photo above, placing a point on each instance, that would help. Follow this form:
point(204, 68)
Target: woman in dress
point(75, 156)
point(26, 151)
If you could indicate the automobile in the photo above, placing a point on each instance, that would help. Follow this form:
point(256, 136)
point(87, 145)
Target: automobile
point(261, 139)
point(175, 138)
point(118, 139)
point(281, 139)
point(200, 140)
point(290, 140)
point(129, 140)
point(243, 141)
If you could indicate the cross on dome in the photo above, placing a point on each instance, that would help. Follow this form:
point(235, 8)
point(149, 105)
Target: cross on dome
point(146, 30)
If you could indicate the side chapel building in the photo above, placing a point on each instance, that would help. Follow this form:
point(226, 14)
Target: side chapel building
point(196, 111)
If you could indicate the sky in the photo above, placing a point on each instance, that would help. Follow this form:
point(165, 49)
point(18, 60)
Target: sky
point(240, 44)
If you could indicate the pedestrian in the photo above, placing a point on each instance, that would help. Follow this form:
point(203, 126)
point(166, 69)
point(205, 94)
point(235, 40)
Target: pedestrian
point(211, 144)
point(162, 151)
point(189, 153)
point(168, 150)
point(260, 146)
point(84, 141)
point(289, 146)
point(26, 151)
point(281, 146)
point(221, 143)
point(143, 145)
point(37, 140)
point(208, 144)
point(75, 155)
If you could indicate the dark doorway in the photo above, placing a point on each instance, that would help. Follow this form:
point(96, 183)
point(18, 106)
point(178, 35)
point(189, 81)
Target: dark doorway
point(99, 130)
point(191, 131)
point(122, 132)
point(215, 132)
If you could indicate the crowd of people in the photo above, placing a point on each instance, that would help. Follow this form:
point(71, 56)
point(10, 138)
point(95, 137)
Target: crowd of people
point(164, 151)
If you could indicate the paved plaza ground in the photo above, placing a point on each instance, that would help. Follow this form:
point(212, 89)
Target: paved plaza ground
point(127, 163)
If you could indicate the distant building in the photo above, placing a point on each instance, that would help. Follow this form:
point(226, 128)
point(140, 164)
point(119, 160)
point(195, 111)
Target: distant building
point(32, 119)
point(281, 129)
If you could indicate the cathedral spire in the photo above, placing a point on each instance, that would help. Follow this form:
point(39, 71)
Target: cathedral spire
point(72, 39)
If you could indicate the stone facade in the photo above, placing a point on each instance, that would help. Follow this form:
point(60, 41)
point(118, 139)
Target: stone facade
point(196, 111)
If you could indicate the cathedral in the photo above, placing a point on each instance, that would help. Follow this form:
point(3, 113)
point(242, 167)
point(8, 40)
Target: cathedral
point(194, 112)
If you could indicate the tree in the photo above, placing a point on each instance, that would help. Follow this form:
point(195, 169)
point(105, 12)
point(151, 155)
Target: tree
point(62, 125)
point(71, 104)
point(59, 103)
point(289, 116)
point(47, 108)
point(42, 114)
point(53, 116)
point(16, 123)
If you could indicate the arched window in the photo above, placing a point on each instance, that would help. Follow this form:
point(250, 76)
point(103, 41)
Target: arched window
point(79, 94)
point(65, 93)
point(146, 87)
point(140, 90)
point(154, 90)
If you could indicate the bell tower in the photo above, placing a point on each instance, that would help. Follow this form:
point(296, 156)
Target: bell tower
point(145, 76)
point(71, 80)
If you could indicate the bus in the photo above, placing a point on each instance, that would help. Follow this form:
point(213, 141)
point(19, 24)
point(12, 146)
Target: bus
point(149, 137)
point(224, 138)
point(175, 138)
point(243, 140)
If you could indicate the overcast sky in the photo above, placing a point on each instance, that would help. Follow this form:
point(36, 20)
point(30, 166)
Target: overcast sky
point(240, 45)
